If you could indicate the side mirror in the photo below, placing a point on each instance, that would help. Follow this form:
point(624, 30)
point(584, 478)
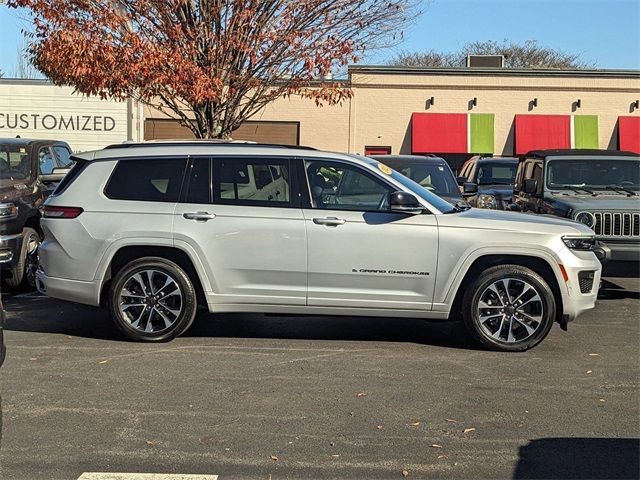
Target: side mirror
point(461, 180)
point(403, 202)
point(56, 175)
point(469, 188)
point(530, 186)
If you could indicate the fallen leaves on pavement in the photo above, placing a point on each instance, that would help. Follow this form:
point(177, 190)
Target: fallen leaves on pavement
point(435, 445)
point(405, 472)
point(274, 458)
point(469, 430)
point(361, 394)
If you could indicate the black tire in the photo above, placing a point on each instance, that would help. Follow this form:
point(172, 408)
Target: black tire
point(131, 321)
point(517, 339)
point(23, 274)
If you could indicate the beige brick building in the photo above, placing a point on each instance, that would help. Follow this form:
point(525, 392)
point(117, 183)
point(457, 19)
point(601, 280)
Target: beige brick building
point(387, 101)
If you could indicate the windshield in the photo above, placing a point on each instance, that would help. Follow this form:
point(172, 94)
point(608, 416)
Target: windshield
point(496, 173)
point(435, 178)
point(433, 199)
point(442, 205)
point(593, 173)
point(14, 162)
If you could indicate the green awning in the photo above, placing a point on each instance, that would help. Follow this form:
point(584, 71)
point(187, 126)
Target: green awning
point(481, 132)
point(585, 131)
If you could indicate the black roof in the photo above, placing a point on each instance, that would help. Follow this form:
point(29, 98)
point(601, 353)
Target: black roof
point(498, 159)
point(26, 141)
point(579, 152)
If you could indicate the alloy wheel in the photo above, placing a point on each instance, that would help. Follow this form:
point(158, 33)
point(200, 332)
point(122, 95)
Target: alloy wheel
point(510, 310)
point(151, 301)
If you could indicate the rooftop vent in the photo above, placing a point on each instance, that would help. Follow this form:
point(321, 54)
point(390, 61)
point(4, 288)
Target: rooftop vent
point(485, 61)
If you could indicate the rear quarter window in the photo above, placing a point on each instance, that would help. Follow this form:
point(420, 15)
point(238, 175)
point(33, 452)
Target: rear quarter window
point(147, 180)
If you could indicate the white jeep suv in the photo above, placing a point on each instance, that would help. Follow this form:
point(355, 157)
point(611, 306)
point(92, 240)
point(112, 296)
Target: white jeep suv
point(154, 230)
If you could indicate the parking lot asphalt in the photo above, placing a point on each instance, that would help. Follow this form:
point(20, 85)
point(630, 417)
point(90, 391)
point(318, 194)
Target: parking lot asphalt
point(253, 396)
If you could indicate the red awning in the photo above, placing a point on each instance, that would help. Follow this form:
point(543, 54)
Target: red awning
point(629, 134)
point(439, 133)
point(539, 132)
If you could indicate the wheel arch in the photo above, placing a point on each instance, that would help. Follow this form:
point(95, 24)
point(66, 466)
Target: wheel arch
point(538, 264)
point(128, 253)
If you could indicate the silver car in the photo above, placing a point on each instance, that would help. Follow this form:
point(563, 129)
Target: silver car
point(154, 230)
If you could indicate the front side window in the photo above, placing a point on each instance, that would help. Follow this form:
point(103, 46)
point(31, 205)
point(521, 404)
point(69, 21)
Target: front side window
point(337, 186)
point(251, 181)
point(149, 180)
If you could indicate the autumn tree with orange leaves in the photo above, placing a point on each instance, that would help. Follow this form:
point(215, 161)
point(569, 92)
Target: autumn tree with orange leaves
point(211, 63)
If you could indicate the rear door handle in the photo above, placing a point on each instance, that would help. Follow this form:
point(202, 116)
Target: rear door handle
point(199, 216)
point(329, 221)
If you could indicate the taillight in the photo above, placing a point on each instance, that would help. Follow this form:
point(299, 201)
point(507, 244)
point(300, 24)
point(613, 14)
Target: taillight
point(61, 212)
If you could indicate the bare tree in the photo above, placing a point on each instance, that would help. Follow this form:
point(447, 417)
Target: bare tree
point(525, 55)
point(24, 66)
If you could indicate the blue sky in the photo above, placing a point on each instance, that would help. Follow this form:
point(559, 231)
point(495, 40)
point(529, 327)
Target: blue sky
point(602, 31)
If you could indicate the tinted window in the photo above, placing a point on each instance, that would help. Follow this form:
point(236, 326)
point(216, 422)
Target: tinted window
point(198, 187)
point(15, 162)
point(251, 181)
point(46, 162)
point(63, 155)
point(593, 173)
point(433, 177)
point(496, 174)
point(149, 180)
point(337, 186)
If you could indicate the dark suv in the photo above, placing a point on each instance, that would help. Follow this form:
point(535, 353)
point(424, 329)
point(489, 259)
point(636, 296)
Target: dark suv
point(599, 188)
point(29, 171)
point(431, 172)
point(487, 182)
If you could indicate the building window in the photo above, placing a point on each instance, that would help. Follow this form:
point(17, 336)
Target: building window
point(377, 151)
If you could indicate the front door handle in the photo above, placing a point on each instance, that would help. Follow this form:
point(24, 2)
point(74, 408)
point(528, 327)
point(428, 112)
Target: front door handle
point(199, 216)
point(329, 221)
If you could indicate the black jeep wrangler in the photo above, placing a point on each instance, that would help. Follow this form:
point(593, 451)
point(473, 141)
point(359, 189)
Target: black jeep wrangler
point(29, 172)
point(599, 188)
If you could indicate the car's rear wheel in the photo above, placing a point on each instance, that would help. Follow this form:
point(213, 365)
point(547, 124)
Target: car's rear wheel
point(23, 275)
point(509, 308)
point(152, 299)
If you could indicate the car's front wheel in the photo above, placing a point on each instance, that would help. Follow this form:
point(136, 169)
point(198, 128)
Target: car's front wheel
point(509, 308)
point(152, 300)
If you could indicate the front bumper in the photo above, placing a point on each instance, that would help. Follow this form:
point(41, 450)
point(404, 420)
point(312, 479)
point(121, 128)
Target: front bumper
point(574, 301)
point(622, 251)
point(10, 248)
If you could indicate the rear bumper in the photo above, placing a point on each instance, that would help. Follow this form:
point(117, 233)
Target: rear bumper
point(77, 291)
point(10, 249)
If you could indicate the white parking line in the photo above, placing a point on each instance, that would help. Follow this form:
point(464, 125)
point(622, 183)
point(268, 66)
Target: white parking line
point(143, 476)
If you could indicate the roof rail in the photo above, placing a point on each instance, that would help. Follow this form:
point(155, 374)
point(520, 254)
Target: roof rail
point(216, 143)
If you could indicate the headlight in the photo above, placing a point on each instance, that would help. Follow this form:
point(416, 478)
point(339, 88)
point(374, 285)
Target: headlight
point(579, 243)
point(487, 201)
point(8, 211)
point(587, 218)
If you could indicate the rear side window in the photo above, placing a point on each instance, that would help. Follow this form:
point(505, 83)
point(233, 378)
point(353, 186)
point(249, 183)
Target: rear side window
point(252, 182)
point(75, 171)
point(147, 180)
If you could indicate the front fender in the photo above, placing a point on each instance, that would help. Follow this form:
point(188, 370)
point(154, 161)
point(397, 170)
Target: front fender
point(447, 288)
